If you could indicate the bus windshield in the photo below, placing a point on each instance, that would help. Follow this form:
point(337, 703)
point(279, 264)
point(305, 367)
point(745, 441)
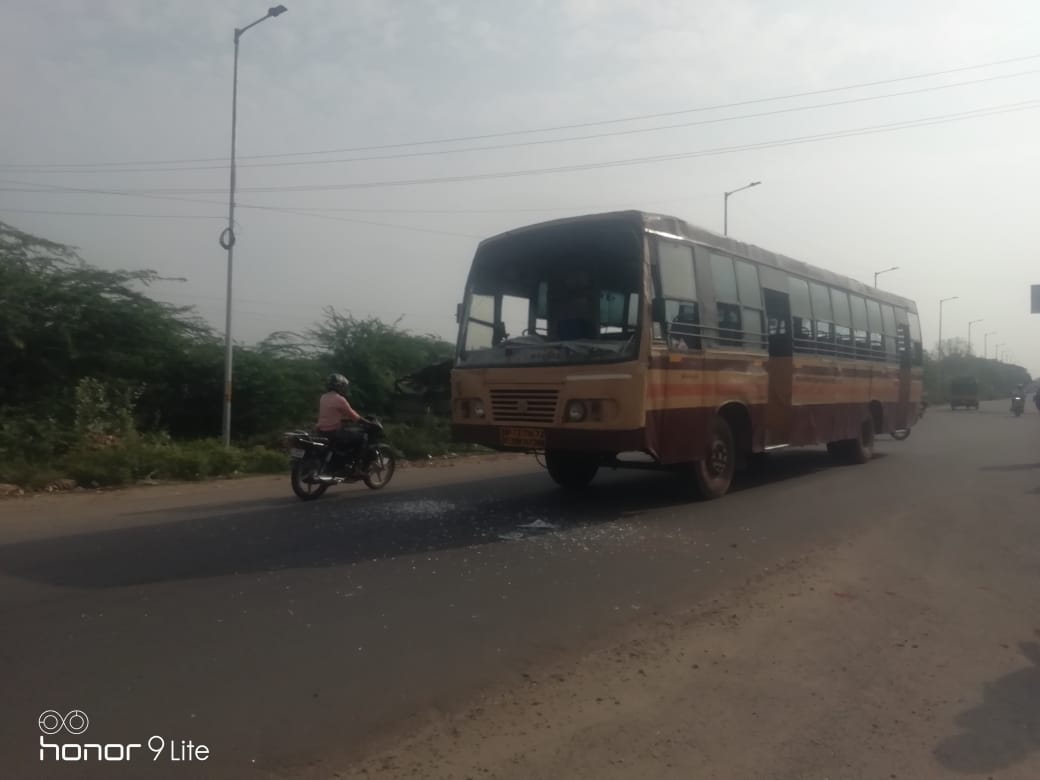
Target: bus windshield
point(566, 293)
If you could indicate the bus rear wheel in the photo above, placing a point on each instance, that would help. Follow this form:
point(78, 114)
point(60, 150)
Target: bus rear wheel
point(713, 474)
point(855, 451)
point(571, 470)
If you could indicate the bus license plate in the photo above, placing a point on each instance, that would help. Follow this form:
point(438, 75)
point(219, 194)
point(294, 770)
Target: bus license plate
point(526, 438)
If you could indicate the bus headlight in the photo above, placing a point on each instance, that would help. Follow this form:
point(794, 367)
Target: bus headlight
point(576, 411)
point(471, 407)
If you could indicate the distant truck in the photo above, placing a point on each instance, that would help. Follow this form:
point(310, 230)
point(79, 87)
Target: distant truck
point(964, 392)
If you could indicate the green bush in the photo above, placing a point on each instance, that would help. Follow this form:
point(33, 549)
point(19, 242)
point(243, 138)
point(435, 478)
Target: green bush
point(25, 437)
point(260, 460)
point(431, 436)
point(135, 460)
point(176, 462)
point(30, 476)
point(108, 467)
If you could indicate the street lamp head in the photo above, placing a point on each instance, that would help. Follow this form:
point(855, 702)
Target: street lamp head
point(277, 10)
point(754, 184)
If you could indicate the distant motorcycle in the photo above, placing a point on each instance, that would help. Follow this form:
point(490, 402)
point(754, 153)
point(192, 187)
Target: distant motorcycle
point(1018, 405)
point(317, 464)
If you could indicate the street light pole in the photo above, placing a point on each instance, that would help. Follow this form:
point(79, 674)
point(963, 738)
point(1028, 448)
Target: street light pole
point(227, 238)
point(725, 204)
point(941, 302)
point(878, 273)
point(970, 323)
point(985, 343)
point(996, 351)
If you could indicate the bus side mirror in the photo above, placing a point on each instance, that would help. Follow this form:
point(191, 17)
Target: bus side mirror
point(657, 310)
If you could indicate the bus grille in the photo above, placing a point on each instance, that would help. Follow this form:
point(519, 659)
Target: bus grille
point(537, 406)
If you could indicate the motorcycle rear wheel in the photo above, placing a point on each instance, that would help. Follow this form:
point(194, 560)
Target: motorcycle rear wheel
point(303, 473)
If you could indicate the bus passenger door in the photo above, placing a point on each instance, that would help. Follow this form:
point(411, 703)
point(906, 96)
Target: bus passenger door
point(779, 368)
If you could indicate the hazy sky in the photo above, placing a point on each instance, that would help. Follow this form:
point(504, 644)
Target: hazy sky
point(952, 203)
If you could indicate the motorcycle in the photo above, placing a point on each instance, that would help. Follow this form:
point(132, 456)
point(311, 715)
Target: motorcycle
point(317, 464)
point(1018, 405)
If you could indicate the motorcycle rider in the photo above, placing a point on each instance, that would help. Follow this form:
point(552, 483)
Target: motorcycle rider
point(1018, 397)
point(337, 419)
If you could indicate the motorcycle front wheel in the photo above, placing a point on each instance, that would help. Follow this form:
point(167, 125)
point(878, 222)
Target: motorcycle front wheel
point(304, 474)
point(381, 467)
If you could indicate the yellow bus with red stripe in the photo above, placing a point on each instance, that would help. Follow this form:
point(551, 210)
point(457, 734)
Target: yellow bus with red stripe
point(636, 339)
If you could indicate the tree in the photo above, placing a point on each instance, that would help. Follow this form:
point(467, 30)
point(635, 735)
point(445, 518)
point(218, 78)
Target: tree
point(374, 355)
point(995, 379)
point(62, 320)
point(66, 324)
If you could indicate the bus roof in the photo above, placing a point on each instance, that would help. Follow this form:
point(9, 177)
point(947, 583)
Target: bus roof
point(666, 225)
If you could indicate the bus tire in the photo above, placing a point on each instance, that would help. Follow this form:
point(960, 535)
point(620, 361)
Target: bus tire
point(713, 474)
point(571, 470)
point(854, 451)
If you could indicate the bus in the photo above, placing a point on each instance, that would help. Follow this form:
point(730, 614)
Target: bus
point(631, 339)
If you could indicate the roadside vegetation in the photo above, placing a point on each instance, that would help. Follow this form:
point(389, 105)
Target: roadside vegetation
point(101, 385)
point(996, 380)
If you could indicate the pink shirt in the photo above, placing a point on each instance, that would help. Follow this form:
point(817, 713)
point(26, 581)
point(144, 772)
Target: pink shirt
point(332, 409)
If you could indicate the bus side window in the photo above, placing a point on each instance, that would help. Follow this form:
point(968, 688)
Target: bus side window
point(917, 351)
point(877, 345)
point(678, 291)
point(842, 323)
point(888, 320)
point(684, 326)
point(731, 331)
point(801, 315)
point(823, 317)
point(752, 312)
point(727, 301)
point(860, 328)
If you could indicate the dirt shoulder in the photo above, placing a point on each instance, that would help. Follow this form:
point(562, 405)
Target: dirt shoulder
point(893, 656)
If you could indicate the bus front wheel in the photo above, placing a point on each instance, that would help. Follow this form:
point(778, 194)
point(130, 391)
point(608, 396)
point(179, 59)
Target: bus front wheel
point(571, 470)
point(713, 474)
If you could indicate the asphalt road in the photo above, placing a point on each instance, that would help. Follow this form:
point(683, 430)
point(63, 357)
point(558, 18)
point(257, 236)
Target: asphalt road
point(400, 633)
